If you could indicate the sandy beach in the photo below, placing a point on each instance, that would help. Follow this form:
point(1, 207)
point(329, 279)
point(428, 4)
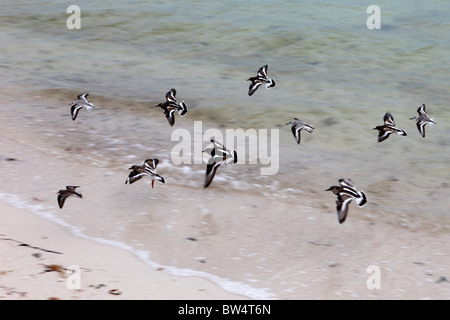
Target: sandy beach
point(264, 243)
point(36, 254)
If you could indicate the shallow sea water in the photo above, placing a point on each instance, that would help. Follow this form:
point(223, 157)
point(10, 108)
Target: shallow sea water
point(331, 71)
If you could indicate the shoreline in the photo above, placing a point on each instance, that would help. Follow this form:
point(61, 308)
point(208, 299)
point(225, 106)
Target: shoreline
point(36, 253)
point(100, 139)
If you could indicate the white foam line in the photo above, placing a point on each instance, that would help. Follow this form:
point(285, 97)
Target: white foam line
point(226, 284)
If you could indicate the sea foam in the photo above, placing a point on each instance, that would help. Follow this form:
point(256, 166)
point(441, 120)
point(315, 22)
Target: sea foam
point(49, 213)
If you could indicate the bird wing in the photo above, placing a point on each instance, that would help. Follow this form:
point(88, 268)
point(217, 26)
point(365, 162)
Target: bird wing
point(83, 97)
point(346, 183)
point(134, 176)
point(342, 203)
point(170, 96)
point(151, 164)
point(421, 109)
point(62, 196)
point(389, 119)
point(262, 72)
point(383, 134)
point(211, 169)
point(74, 110)
point(296, 132)
point(421, 127)
point(169, 112)
point(254, 85)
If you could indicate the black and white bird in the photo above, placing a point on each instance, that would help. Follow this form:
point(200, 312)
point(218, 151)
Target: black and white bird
point(77, 105)
point(148, 169)
point(346, 192)
point(261, 78)
point(171, 105)
point(64, 194)
point(297, 126)
point(219, 155)
point(387, 128)
point(422, 119)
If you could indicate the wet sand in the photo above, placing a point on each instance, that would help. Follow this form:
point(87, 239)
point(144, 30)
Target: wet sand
point(283, 250)
point(36, 254)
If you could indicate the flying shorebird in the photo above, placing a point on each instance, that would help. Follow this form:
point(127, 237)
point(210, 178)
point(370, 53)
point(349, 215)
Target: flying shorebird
point(422, 119)
point(171, 105)
point(297, 126)
point(64, 194)
point(77, 105)
point(346, 192)
point(219, 155)
point(387, 128)
point(148, 169)
point(261, 78)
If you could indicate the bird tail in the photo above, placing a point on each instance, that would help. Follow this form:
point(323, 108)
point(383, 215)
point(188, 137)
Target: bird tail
point(182, 109)
point(362, 200)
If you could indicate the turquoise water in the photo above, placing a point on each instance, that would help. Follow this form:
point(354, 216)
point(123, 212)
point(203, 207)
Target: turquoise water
point(331, 71)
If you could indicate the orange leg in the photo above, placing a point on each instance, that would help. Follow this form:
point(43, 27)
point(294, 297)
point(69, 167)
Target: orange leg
point(153, 183)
